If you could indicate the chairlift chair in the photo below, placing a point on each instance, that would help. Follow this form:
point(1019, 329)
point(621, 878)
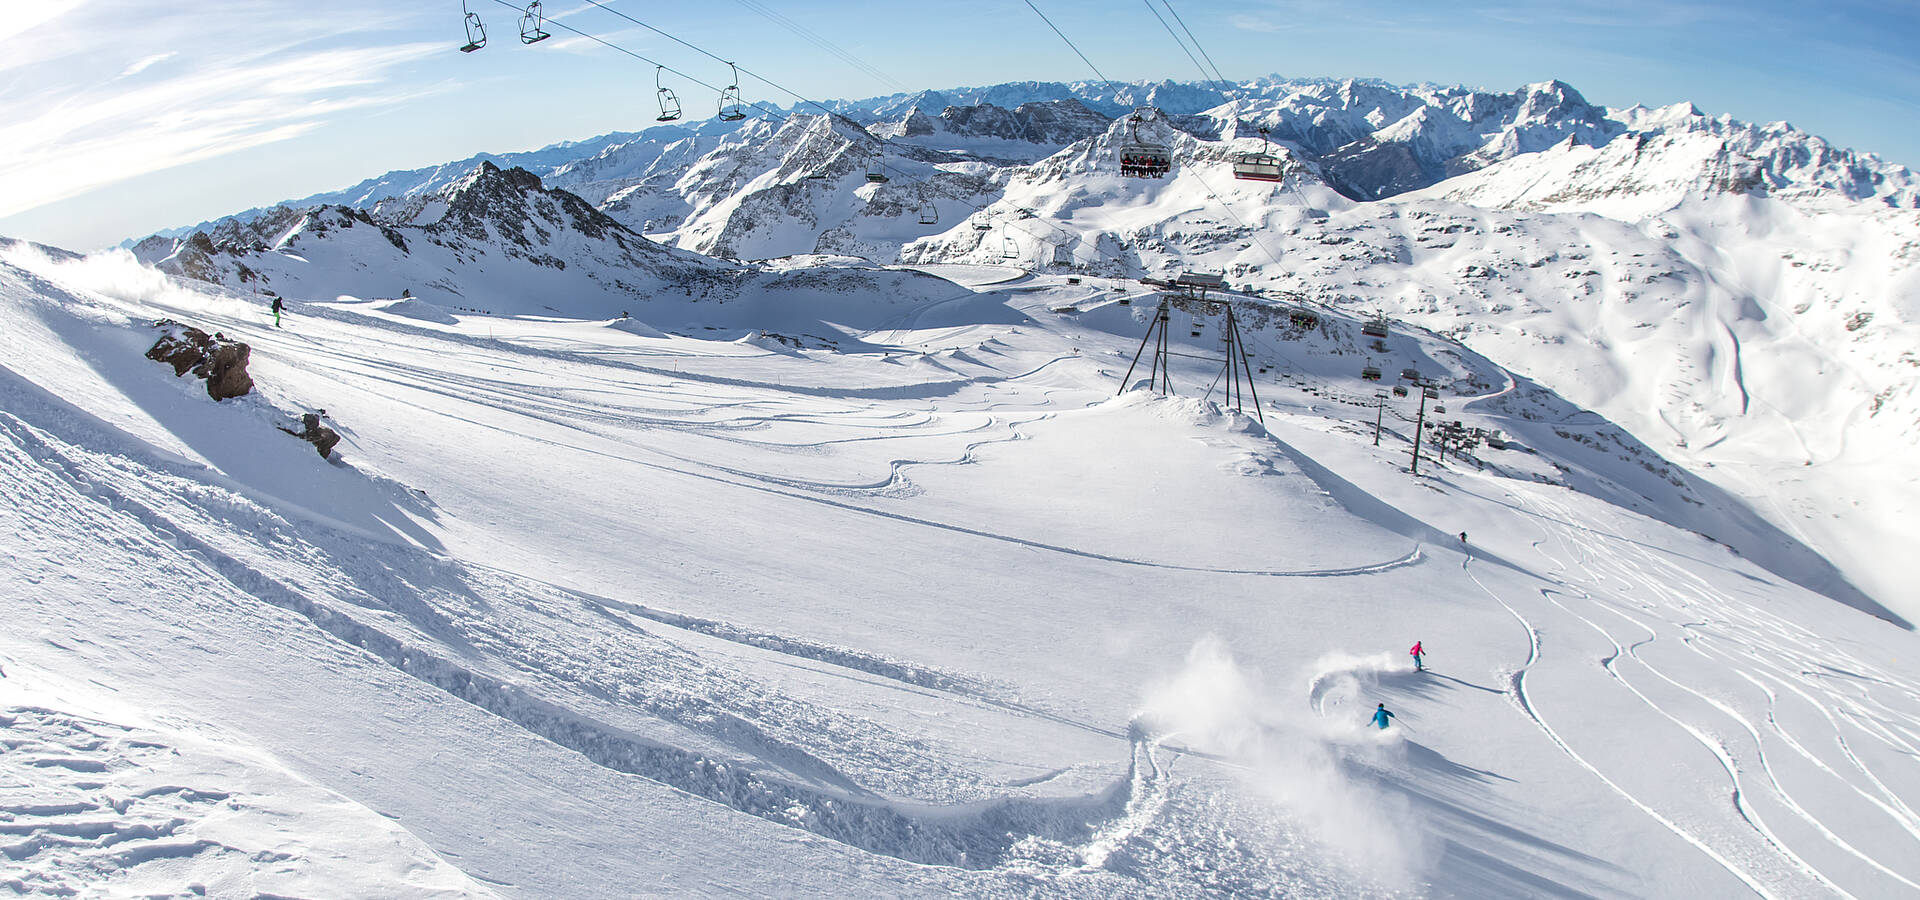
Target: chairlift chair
point(982, 225)
point(532, 24)
point(929, 215)
point(1430, 393)
point(1410, 374)
point(730, 110)
point(1009, 249)
point(1370, 373)
point(1399, 390)
point(876, 169)
point(476, 32)
point(1375, 327)
point(1260, 165)
point(1303, 319)
point(669, 102)
point(1140, 158)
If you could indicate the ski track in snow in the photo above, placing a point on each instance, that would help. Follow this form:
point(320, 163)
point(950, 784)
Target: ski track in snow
point(1663, 583)
point(1518, 689)
point(1640, 573)
point(1823, 715)
point(810, 490)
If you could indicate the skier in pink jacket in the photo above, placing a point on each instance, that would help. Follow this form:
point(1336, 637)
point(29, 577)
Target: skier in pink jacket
point(1416, 653)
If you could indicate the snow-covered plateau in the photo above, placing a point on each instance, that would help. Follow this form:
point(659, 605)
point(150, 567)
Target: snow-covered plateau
point(712, 518)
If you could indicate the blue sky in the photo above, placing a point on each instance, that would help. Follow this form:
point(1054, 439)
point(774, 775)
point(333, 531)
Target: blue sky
point(121, 117)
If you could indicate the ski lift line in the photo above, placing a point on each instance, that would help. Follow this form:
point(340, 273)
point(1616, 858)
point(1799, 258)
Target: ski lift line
point(1076, 50)
point(659, 32)
point(821, 42)
point(1196, 44)
point(736, 68)
point(728, 62)
point(1251, 231)
point(613, 46)
point(807, 100)
point(1176, 39)
point(771, 112)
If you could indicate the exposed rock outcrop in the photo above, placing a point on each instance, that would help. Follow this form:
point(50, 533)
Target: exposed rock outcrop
point(320, 436)
point(222, 362)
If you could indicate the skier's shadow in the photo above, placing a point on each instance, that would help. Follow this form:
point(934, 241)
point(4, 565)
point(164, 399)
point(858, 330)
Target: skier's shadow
point(1429, 673)
point(1461, 802)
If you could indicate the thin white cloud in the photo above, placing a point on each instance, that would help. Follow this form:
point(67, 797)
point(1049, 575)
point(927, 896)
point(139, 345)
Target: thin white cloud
point(567, 42)
point(1251, 23)
point(146, 62)
point(74, 119)
point(25, 17)
point(83, 143)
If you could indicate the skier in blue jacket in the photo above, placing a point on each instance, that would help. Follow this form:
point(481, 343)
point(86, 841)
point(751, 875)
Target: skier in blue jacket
point(1381, 715)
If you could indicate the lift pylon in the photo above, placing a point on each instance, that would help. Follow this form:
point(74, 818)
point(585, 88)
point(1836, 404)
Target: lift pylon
point(1189, 293)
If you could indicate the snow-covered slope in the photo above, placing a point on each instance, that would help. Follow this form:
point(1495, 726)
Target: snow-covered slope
point(494, 241)
point(910, 606)
point(1739, 296)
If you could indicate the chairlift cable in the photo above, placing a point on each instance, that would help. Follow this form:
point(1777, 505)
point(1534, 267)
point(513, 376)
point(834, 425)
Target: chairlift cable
point(783, 116)
point(732, 64)
point(658, 32)
point(771, 112)
point(1196, 43)
point(1251, 231)
point(1176, 39)
point(711, 55)
point(613, 46)
point(1076, 50)
point(830, 113)
point(810, 36)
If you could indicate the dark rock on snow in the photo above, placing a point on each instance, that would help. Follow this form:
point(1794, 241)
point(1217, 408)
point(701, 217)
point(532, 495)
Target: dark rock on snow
point(320, 436)
point(222, 362)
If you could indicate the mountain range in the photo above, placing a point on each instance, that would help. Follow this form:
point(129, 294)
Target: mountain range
point(851, 502)
point(1738, 296)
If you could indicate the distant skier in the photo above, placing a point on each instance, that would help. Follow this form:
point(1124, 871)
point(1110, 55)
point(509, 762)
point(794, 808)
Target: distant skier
point(1417, 653)
point(276, 312)
point(1463, 537)
point(1381, 715)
